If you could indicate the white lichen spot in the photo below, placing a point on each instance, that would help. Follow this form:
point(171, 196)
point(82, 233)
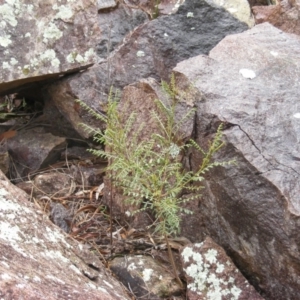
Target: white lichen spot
point(187, 253)
point(235, 291)
point(71, 57)
point(7, 14)
point(147, 273)
point(29, 8)
point(211, 256)
point(64, 12)
point(2, 24)
point(247, 73)
point(5, 65)
point(13, 61)
point(28, 34)
point(198, 245)
point(274, 53)
point(190, 15)
point(127, 213)
point(3, 192)
point(79, 58)
point(296, 115)
point(88, 54)
point(140, 53)
point(50, 55)
point(9, 233)
point(5, 40)
point(220, 268)
point(52, 33)
point(5, 277)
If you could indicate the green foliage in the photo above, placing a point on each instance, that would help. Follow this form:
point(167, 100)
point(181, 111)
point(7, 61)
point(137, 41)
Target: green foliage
point(149, 170)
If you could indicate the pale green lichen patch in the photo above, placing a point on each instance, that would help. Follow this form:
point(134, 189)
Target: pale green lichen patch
point(207, 275)
point(75, 57)
point(64, 12)
point(5, 40)
point(52, 33)
point(7, 13)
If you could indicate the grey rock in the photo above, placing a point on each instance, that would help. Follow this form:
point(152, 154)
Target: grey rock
point(145, 277)
point(42, 39)
point(151, 50)
point(211, 274)
point(115, 24)
point(252, 209)
point(35, 253)
point(33, 149)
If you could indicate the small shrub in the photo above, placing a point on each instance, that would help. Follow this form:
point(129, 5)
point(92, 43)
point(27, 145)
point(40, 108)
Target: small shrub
point(149, 171)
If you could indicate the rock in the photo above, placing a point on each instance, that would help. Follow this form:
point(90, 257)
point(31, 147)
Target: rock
point(35, 253)
point(145, 277)
point(212, 275)
point(259, 2)
point(151, 50)
point(42, 39)
point(53, 184)
point(238, 8)
point(33, 149)
point(252, 209)
point(285, 15)
point(61, 216)
point(105, 4)
point(115, 24)
point(4, 157)
point(168, 7)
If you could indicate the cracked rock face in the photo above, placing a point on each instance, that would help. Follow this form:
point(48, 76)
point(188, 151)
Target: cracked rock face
point(35, 254)
point(250, 82)
point(44, 38)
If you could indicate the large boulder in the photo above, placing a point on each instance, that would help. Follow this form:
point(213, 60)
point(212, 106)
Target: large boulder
point(44, 38)
point(38, 261)
point(285, 15)
point(250, 83)
point(151, 50)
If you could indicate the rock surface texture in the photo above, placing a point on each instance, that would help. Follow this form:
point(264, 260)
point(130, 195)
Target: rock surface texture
point(34, 149)
point(212, 275)
point(250, 82)
point(285, 15)
point(44, 38)
point(151, 50)
point(39, 262)
point(145, 277)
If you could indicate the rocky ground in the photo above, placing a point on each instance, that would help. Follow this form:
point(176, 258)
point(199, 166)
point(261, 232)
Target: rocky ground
point(241, 60)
